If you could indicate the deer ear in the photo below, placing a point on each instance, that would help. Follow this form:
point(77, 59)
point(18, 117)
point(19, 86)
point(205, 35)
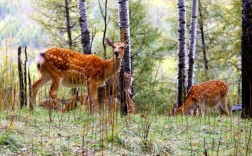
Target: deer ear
point(109, 42)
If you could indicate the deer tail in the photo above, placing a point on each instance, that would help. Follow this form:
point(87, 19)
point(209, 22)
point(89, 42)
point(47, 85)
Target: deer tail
point(40, 60)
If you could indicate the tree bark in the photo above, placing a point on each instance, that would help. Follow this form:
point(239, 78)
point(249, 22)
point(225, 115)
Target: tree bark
point(181, 51)
point(68, 25)
point(30, 91)
point(85, 35)
point(124, 30)
point(203, 40)
point(246, 58)
point(70, 41)
point(25, 78)
point(193, 36)
point(20, 75)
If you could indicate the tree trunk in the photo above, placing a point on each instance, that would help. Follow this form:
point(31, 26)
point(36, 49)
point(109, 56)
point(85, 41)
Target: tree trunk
point(193, 36)
point(246, 58)
point(181, 50)
point(20, 75)
point(70, 41)
point(68, 25)
point(203, 40)
point(124, 30)
point(85, 35)
point(25, 77)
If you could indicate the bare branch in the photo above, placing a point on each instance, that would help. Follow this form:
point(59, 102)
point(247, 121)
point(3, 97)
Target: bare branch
point(101, 10)
point(93, 33)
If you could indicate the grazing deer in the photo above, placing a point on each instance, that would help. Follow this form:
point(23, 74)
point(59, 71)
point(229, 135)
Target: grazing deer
point(211, 93)
point(72, 69)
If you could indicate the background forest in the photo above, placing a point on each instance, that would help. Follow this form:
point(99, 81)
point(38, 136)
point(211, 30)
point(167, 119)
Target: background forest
point(41, 24)
point(153, 25)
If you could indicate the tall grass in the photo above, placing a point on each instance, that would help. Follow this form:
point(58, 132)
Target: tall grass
point(78, 132)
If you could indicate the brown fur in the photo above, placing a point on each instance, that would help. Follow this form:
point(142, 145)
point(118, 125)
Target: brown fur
point(73, 69)
point(110, 92)
point(211, 93)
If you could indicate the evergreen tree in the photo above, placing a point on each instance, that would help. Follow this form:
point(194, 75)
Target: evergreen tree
point(148, 49)
point(59, 19)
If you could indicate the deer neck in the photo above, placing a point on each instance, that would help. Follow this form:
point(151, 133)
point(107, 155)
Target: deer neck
point(112, 66)
point(187, 105)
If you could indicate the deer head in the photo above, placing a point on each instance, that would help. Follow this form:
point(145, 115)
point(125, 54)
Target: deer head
point(118, 48)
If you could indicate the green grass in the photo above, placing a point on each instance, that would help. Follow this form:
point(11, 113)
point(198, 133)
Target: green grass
point(76, 132)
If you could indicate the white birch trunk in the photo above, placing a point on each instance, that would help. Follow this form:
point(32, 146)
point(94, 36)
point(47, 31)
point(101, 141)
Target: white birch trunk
point(181, 50)
point(85, 36)
point(124, 30)
point(192, 44)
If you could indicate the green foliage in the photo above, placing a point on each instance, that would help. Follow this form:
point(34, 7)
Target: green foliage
point(222, 24)
point(51, 15)
point(149, 47)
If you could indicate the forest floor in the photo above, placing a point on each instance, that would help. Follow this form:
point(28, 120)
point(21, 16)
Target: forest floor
point(44, 132)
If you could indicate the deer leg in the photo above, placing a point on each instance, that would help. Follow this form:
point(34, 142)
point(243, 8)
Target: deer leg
point(220, 110)
point(131, 104)
point(222, 107)
point(93, 93)
point(53, 93)
point(201, 108)
point(36, 86)
point(85, 100)
point(194, 109)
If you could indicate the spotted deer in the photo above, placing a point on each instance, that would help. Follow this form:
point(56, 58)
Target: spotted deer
point(72, 69)
point(110, 93)
point(211, 93)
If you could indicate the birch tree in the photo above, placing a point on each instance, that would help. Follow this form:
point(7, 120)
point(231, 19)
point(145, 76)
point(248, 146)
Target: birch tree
point(246, 58)
point(85, 35)
point(192, 44)
point(181, 50)
point(124, 31)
